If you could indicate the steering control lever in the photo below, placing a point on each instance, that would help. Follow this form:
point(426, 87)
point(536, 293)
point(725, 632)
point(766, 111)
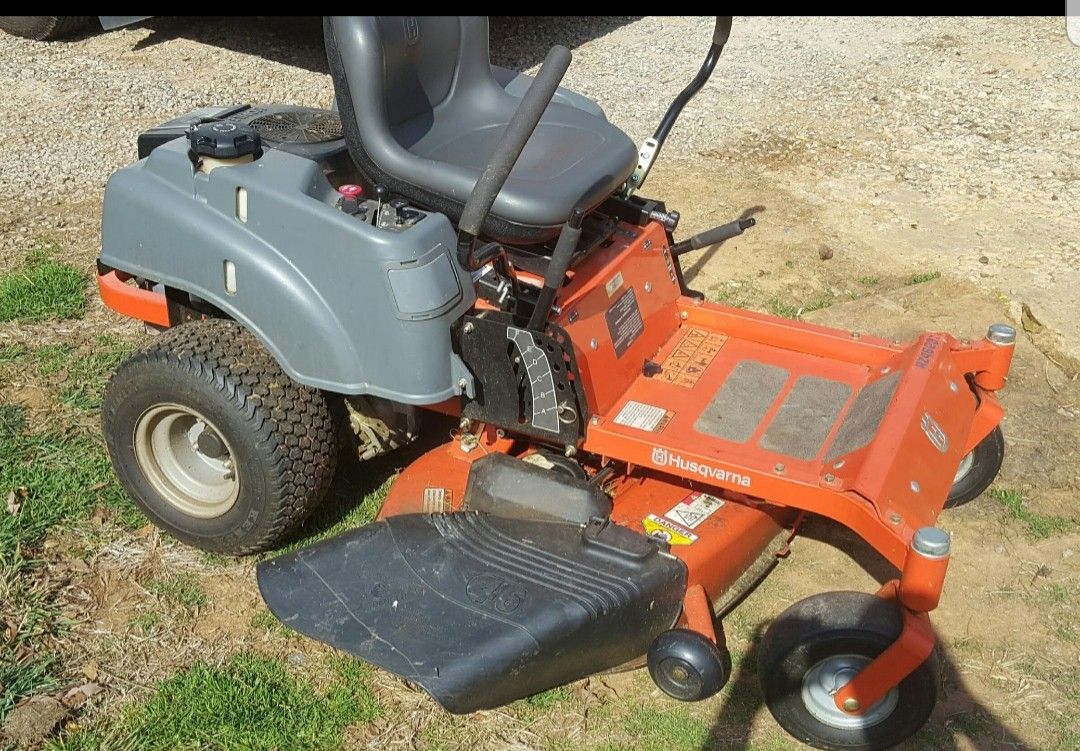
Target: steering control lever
point(556, 269)
point(522, 124)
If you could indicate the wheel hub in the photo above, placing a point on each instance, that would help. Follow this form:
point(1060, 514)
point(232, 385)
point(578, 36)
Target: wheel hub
point(186, 460)
point(965, 466)
point(826, 678)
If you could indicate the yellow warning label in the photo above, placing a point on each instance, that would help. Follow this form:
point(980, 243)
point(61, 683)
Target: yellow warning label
point(686, 363)
point(672, 533)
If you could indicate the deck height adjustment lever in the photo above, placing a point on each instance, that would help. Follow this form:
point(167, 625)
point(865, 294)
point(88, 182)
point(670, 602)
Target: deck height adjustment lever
point(714, 236)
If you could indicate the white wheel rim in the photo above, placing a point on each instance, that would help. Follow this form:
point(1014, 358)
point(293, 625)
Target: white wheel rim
point(826, 678)
point(167, 447)
point(965, 467)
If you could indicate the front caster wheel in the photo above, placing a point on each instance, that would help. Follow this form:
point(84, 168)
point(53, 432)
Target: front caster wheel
point(815, 647)
point(978, 469)
point(216, 444)
point(687, 666)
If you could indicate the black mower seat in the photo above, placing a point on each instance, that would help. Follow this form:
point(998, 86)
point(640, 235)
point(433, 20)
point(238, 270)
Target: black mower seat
point(422, 113)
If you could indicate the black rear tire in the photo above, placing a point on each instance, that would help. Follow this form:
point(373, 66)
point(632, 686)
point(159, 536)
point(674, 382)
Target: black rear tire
point(986, 459)
point(838, 626)
point(278, 436)
point(44, 28)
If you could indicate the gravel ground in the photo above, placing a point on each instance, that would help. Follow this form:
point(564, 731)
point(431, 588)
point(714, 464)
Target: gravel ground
point(952, 144)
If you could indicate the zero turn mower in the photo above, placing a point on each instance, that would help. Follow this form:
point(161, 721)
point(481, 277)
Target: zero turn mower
point(631, 458)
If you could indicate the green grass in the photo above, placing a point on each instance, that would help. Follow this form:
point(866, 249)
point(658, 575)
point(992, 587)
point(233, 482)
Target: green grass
point(336, 514)
point(671, 728)
point(781, 308)
point(536, 705)
point(1038, 526)
point(56, 476)
point(446, 732)
point(26, 665)
point(1059, 594)
point(56, 479)
point(972, 724)
point(181, 589)
point(12, 353)
point(1066, 631)
point(217, 560)
point(59, 477)
point(252, 703)
point(146, 622)
point(547, 699)
point(12, 422)
point(742, 296)
point(786, 309)
point(42, 289)
point(869, 281)
point(264, 619)
point(1067, 727)
point(925, 276)
point(84, 374)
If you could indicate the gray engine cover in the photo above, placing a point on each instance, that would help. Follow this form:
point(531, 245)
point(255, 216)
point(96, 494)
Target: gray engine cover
point(342, 305)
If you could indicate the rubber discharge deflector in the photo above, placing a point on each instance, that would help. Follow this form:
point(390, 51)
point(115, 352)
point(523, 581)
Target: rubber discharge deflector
point(480, 610)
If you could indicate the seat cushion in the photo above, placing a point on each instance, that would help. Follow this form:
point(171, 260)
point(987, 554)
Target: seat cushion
point(434, 156)
point(572, 157)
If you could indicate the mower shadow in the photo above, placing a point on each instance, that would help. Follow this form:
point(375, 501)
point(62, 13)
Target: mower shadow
point(516, 42)
point(959, 722)
point(353, 498)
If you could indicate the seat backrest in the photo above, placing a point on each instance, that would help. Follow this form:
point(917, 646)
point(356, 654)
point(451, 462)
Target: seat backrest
point(392, 72)
point(420, 61)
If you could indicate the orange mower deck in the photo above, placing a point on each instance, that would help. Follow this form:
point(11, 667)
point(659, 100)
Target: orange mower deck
point(740, 422)
point(856, 428)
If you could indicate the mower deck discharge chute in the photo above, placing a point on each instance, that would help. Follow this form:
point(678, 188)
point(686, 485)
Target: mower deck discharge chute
point(630, 460)
point(478, 609)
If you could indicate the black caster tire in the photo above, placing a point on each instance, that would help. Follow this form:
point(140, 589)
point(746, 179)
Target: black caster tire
point(978, 469)
point(813, 645)
point(686, 666)
point(44, 28)
point(214, 442)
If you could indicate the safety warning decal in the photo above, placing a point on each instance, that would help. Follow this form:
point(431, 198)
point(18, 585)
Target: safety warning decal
point(694, 509)
point(438, 500)
point(673, 534)
point(688, 360)
point(624, 322)
point(644, 416)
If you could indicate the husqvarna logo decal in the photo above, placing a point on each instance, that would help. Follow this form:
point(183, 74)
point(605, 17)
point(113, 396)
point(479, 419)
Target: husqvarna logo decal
point(662, 457)
point(934, 432)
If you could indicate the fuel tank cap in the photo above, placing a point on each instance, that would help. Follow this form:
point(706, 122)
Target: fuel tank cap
point(224, 140)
